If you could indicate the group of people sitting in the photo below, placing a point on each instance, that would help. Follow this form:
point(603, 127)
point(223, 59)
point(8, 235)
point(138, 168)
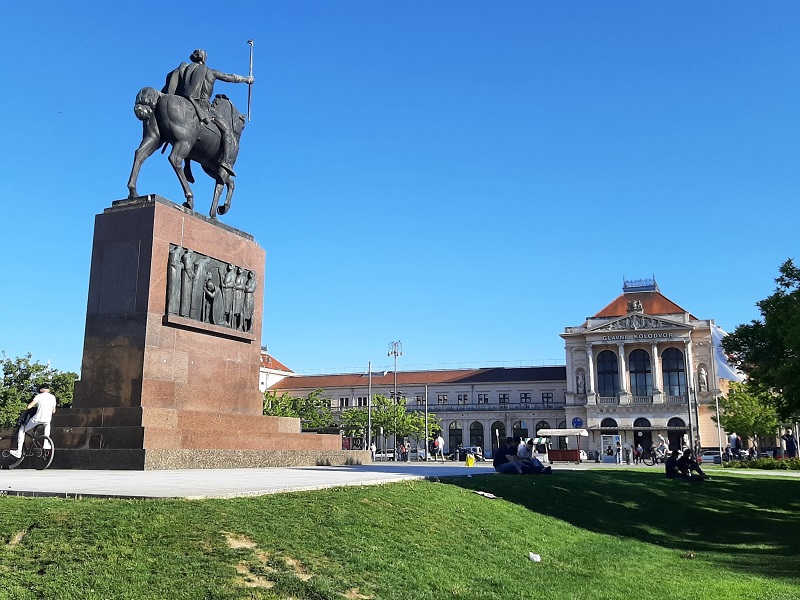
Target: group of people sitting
point(684, 466)
point(516, 457)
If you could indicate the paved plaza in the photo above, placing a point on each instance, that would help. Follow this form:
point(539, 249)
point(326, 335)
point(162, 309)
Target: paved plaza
point(233, 483)
point(227, 483)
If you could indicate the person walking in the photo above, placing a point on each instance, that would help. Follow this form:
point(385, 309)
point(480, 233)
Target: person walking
point(791, 443)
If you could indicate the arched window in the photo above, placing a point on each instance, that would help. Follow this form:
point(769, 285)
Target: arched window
point(455, 436)
point(520, 429)
point(676, 422)
point(641, 377)
point(476, 434)
point(498, 434)
point(608, 423)
point(542, 425)
point(674, 372)
point(607, 374)
point(640, 423)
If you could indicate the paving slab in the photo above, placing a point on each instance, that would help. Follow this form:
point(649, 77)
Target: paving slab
point(233, 483)
point(217, 483)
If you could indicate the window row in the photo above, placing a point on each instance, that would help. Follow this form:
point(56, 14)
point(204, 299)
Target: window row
point(673, 373)
point(502, 398)
point(482, 398)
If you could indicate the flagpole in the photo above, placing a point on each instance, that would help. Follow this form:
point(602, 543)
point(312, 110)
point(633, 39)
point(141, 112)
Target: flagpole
point(427, 446)
point(369, 408)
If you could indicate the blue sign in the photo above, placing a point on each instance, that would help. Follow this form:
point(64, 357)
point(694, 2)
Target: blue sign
point(577, 422)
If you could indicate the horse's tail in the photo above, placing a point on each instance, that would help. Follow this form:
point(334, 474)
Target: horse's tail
point(146, 101)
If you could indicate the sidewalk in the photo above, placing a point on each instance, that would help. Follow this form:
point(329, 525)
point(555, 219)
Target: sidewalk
point(217, 483)
point(233, 483)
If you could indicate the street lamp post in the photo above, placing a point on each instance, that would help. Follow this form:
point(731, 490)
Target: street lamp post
point(395, 350)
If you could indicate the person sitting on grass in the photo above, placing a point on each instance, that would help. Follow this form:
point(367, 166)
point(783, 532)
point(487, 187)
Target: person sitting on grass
point(505, 461)
point(505, 458)
point(687, 465)
point(530, 464)
point(671, 466)
point(525, 451)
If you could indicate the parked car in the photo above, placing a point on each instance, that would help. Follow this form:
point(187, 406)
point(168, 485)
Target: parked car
point(710, 457)
point(383, 455)
point(462, 453)
point(418, 454)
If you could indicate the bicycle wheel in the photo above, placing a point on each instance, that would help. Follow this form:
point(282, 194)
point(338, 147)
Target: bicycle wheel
point(41, 452)
point(649, 460)
point(7, 461)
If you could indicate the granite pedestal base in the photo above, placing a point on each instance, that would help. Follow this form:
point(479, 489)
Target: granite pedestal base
point(164, 368)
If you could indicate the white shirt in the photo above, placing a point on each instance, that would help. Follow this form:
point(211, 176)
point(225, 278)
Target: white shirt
point(45, 404)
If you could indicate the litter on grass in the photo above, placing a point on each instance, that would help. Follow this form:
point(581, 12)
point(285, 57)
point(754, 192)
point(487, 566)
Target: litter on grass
point(487, 495)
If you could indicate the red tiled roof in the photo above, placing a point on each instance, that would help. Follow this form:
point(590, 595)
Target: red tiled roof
point(270, 362)
point(405, 378)
point(653, 303)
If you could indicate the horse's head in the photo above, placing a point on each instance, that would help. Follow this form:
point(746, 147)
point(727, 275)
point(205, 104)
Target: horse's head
point(146, 101)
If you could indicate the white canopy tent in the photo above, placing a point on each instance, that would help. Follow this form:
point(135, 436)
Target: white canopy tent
point(561, 432)
point(578, 433)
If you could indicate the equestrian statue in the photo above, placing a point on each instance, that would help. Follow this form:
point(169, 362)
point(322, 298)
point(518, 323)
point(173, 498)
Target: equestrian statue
point(199, 130)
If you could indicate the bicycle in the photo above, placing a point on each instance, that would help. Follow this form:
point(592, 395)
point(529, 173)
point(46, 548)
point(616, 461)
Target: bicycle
point(654, 457)
point(38, 448)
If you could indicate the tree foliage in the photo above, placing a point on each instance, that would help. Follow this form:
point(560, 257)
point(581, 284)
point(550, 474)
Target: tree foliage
point(749, 411)
point(22, 377)
point(313, 410)
point(768, 349)
point(393, 417)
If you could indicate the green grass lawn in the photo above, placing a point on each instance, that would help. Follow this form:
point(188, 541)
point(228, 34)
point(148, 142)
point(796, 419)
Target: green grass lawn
point(601, 534)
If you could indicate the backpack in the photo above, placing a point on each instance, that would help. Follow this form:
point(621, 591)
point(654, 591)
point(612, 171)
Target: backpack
point(435, 443)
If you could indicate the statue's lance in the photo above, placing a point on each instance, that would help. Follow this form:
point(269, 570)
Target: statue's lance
point(250, 85)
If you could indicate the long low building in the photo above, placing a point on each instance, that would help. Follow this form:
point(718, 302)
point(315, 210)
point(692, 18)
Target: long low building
point(640, 368)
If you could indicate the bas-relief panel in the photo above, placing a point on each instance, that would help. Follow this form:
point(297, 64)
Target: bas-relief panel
point(208, 290)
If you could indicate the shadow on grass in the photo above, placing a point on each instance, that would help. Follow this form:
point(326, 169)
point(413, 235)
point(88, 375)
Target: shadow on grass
point(752, 523)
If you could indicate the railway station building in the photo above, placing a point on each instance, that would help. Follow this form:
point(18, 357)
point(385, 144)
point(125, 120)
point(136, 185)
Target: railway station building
point(640, 368)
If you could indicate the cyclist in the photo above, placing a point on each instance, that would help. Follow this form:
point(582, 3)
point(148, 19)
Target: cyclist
point(45, 404)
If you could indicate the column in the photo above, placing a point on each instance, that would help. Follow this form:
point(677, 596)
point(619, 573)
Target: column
point(691, 390)
point(658, 383)
point(623, 369)
point(590, 374)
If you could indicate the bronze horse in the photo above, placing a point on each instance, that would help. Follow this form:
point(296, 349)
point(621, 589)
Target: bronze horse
point(169, 119)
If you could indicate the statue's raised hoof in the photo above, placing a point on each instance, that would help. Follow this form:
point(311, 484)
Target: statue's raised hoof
point(222, 209)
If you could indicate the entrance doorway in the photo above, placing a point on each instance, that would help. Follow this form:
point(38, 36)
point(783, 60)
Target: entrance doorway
point(642, 433)
point(674, 436)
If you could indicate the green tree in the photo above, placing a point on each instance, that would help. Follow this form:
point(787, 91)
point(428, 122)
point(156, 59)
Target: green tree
point(416, 425)
point(354, 421)
point(749, 411)
point(22, 377)
point(768, 349)
point(313, 410)
point(394, 418)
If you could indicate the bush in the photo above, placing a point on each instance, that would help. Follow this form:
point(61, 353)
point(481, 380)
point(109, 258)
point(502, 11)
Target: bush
point(767, 464)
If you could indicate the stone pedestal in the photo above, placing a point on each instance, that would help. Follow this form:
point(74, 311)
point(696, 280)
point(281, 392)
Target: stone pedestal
point(166, 384)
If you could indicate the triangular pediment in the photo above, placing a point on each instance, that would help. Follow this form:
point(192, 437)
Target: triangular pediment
point(638, 322)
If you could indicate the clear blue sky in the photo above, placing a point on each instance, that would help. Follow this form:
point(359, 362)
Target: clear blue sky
point(467, 177)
